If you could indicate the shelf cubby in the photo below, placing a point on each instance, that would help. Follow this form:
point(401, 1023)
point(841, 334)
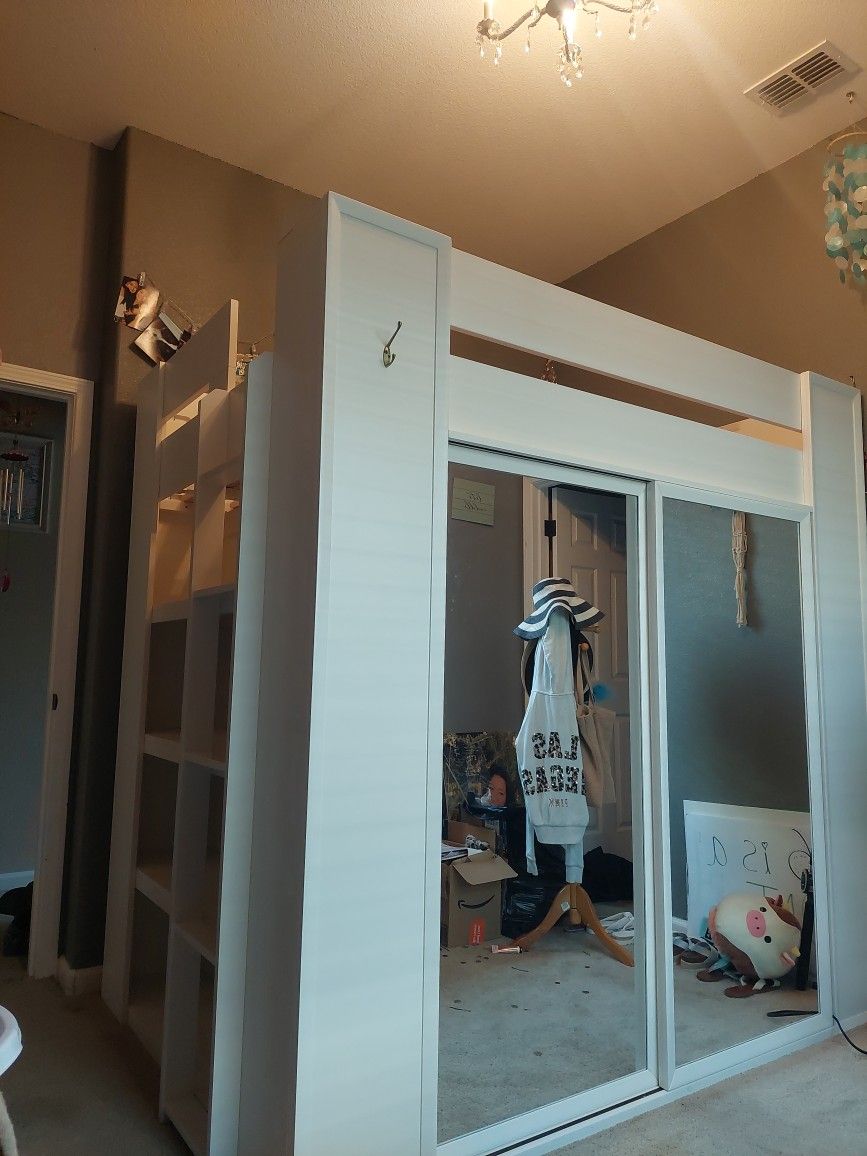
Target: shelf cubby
point(166, 664)
point(156, 831)
point(147, 981)
point(201, 811)
point(189, 1054)
point(172, 552)
point(231, 532)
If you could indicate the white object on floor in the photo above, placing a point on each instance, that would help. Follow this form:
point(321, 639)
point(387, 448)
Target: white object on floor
point(620, 926)
point(10, 1040)
point(10, 1050)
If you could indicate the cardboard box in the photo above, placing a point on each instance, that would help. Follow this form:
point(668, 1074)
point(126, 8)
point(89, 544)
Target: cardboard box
point(472, 892)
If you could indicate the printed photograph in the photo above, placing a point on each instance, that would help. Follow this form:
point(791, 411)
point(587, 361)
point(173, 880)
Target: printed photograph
point(162, 338)
point(136, 303)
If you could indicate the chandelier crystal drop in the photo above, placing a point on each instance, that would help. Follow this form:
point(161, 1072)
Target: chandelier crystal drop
point(569, 59)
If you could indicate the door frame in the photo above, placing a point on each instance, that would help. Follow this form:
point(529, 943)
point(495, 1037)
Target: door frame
point(77, 394)
point(673, 1080)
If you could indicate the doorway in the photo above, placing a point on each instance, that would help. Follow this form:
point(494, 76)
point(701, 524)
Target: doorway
point(44, 455)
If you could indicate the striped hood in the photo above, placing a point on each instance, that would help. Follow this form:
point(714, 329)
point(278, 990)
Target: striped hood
point(547, 596)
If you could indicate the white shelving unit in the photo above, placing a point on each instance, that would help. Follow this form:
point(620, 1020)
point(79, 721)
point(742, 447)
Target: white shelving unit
point(165, 916)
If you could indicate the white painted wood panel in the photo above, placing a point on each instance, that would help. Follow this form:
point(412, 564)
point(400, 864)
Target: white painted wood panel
point(834, 460)
point(241, 764)
point(204, 364)
point(498, 409)
point(362, 943)
point(124, 827)
point(523, 313)
point(279, 694)
point(178, 458)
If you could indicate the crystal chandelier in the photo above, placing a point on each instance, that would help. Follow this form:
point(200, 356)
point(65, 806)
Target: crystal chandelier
point(569, 61)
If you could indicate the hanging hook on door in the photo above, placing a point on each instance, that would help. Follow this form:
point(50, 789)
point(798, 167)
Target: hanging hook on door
point(387, 356)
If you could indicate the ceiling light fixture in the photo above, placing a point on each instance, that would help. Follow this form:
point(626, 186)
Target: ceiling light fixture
point(569, 60)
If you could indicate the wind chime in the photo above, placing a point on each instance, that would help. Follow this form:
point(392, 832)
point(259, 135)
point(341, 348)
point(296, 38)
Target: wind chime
point(11, 500)
point(13, 464)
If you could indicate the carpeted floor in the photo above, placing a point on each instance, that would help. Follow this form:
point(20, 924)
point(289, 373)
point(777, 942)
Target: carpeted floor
point(520, 1031)
point(810, 1103)
point(81, 1087)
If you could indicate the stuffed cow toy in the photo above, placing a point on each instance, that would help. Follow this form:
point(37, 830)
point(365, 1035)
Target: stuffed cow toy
point(757, 939)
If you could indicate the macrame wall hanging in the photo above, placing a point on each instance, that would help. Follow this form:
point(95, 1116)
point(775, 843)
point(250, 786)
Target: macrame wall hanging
point(739, 554)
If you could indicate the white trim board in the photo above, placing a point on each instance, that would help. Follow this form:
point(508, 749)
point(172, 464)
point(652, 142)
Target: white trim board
point(77, 393)
point(851, 1023)
point(497, 409)
point(76, 981)
point(834, 479)
point(523, 313)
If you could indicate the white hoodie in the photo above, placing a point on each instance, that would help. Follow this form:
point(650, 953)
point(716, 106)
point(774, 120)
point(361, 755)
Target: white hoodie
point(548, 747)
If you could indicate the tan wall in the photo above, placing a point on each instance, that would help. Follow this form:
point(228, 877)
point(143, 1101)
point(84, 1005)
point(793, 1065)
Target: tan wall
point(749, 271)
point(204, 231)
point(52, 250)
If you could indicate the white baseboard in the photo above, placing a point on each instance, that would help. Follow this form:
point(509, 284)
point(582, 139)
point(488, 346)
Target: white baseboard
point(678, 926)
point(853, 1022)
point(78, 980)
point(9, 880)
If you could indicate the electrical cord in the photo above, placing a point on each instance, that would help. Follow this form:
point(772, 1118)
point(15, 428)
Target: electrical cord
point(784, 1012)
point(851, 1043)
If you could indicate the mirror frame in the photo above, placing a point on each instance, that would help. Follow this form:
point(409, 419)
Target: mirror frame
point(603, 1097)
point(674, 1076)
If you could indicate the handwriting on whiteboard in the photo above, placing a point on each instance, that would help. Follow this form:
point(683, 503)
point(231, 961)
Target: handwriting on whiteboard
point(731, 849)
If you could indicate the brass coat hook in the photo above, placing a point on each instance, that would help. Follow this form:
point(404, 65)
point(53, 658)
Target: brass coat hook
point(387, 356)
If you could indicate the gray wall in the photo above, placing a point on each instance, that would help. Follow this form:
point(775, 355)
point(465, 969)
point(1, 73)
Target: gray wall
point(25, 628)
point(736, 724)
point(484, 602)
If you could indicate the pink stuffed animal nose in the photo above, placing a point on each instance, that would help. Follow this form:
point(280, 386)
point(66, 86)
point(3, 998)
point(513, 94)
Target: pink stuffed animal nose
point(756, 924)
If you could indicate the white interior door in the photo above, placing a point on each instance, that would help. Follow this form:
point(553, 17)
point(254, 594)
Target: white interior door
point(590, 549)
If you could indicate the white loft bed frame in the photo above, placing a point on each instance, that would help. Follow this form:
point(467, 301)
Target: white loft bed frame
point(339, 693)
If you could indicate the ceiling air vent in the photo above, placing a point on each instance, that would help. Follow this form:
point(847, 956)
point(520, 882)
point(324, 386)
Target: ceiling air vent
point(799, 80)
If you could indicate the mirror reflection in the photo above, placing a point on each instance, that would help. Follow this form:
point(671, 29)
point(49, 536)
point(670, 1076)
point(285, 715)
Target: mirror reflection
point(541, 917)
point(738, 784)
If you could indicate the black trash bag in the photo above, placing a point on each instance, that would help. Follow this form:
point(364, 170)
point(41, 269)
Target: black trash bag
point(607, 877)
point(526, 902)
point(18, 903)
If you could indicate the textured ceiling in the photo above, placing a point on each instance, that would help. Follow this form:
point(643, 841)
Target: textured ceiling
point(391, 104)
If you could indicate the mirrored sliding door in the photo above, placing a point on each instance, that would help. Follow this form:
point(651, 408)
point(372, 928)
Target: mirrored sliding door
point(543, 962)
point(742, 949)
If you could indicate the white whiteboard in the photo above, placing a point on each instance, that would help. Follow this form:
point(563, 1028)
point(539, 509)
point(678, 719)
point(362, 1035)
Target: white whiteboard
point(732, 849)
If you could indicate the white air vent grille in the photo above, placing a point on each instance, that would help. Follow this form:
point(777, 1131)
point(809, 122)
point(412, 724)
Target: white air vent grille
point(802, 78)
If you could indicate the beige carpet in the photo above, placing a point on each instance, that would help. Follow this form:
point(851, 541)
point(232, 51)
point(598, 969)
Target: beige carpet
point(520, 1031)
point(81, 1087)
point(811, 1104)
